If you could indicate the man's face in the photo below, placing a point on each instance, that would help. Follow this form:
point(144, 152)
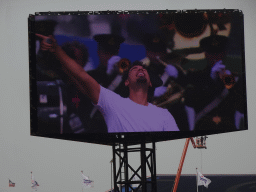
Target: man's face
point(138, 75)
point(104, 57)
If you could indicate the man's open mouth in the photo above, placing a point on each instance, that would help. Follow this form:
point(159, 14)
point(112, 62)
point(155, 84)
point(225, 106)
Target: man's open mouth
point(140, 75)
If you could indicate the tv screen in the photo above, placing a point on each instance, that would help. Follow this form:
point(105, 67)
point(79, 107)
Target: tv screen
point(159, 75)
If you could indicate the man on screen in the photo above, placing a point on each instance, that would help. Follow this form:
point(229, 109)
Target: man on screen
point(132, 114)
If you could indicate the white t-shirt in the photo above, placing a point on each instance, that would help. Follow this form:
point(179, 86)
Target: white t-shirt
point(124, 115)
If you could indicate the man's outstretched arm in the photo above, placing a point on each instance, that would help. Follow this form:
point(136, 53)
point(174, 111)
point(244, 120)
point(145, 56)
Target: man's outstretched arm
point(90, 86)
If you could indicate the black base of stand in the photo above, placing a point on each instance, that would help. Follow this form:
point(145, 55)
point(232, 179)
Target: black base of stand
point(123, 182)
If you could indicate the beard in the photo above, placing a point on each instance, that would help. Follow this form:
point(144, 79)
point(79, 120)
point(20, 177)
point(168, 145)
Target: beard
point(141, 81)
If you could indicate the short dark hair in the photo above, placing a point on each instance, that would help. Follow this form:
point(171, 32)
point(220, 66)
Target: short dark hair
point(125, 77)
point(135, 63)
point(154, 78)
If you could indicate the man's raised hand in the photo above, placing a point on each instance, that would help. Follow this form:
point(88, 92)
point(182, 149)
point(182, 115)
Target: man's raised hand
point(48, 43)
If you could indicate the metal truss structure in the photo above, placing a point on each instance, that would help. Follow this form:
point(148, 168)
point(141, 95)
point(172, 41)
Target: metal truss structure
point(123, 181)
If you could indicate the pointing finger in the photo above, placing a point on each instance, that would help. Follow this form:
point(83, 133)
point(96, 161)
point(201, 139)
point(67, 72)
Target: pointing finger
point(41, 36)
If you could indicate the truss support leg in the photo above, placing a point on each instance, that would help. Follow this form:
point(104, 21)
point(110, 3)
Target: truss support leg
point(123, 180)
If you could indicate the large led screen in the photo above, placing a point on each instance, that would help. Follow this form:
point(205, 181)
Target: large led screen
point(164, 74)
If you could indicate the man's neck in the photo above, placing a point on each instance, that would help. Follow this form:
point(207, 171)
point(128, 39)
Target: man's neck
point(139, 96)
